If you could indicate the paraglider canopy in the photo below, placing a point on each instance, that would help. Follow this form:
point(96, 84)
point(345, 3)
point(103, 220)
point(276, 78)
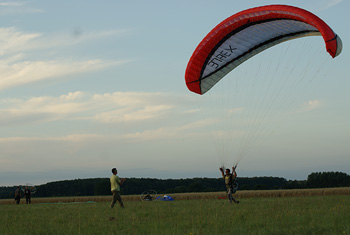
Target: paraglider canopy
point(243, 108)
point(248, 33)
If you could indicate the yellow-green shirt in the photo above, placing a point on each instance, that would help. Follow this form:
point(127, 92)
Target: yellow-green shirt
point(115, 183)
point(229, 179)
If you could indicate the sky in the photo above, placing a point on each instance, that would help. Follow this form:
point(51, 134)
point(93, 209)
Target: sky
point(86, 86)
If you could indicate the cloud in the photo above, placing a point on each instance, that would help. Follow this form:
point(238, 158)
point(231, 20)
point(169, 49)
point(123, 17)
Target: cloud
point(68, 138)
point(168, 132)
point(333, 3)
point(118, 107)
point(73, 37)
point(39, 109)
point(14, 41)
point(120, 117)
point(11, 4)
point(328, 4)
point(25, 72)
point(132, 114)
point(310, 105)
point(37, 153)
point(11, 8)
point(132, 106)
point(22, 54)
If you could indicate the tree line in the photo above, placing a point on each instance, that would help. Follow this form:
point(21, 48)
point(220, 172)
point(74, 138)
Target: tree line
point(132, 186)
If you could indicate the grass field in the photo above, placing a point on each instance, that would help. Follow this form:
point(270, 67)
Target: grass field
point(311, 214)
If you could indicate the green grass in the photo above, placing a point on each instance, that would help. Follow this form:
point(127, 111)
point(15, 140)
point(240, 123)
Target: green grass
point(286, 215)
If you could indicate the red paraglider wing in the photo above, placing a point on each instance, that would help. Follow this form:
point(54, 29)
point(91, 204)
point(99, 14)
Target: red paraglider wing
point(248, 33)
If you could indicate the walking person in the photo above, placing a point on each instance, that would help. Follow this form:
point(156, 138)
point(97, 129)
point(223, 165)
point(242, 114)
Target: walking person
point(115, 188)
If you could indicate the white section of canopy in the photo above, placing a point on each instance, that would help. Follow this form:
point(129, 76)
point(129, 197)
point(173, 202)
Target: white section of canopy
point(249, 42)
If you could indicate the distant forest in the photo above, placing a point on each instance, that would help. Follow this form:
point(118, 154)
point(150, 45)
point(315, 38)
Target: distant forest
point(132, 186)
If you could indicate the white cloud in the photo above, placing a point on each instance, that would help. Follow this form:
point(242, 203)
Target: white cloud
point(333, 3)
point(72, 95)
point(21, 73)
point(36, 153)
point(311, 105)
point(40, 109)
point(118, 107)
point(328, 4)
point(130, 98)
point(11, 4)
point(132, 117)
point(21, 64)
point(169, 132)
point(132, 106)
point(68, 138)
point(12, 40)
point(72, 38)
point(11, 8)
point(137, 113)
